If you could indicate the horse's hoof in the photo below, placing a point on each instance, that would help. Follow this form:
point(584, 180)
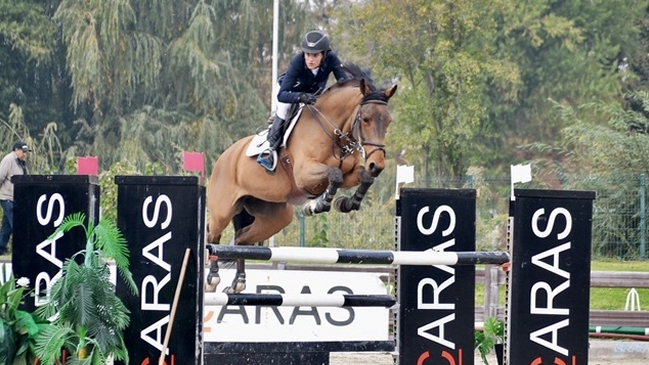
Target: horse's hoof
point(235, 289)
point(239, 287)
point(345, 205)
point(213, 280)
point(210, 288)
point(308, 208)
point(340, 204)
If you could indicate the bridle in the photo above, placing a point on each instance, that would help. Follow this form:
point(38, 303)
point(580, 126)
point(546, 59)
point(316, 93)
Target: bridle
point(356, 129)
point(354, 142)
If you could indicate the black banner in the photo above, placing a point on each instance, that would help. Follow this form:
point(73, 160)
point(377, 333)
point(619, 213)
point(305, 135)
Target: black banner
point(436, 313)
point(162, 216)
point(550, 278)
point(41, 202)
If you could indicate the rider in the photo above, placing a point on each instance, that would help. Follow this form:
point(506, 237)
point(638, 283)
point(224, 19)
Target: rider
point(306, 76)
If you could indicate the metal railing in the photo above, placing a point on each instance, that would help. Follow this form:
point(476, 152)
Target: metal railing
point(619, 216)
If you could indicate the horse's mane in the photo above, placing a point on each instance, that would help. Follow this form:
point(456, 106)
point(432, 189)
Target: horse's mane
point(355, 75)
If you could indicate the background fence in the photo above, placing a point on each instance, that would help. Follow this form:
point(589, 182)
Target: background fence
point(619, 215)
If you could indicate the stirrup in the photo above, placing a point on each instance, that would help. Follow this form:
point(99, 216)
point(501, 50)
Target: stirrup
point(268, 159)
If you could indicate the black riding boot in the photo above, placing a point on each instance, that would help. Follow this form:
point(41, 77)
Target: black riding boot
point(268, 158)
point(275, 133)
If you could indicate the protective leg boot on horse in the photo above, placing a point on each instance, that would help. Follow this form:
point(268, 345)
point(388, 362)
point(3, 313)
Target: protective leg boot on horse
point(268, 158)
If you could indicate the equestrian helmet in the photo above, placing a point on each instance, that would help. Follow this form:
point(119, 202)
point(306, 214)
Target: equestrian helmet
point(315, 41)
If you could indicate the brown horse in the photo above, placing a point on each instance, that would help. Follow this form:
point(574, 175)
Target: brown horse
point(337, 143)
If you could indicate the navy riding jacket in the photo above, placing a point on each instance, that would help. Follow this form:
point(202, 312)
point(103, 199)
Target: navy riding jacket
point(299, 79)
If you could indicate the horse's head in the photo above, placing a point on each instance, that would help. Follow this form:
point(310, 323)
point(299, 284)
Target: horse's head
point(371, 124)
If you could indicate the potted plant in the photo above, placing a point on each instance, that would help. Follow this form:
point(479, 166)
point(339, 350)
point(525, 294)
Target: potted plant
point(18, 328)
point(490, 338)
point(88, 318)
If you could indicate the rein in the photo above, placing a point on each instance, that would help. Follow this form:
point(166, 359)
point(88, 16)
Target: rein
point(352, 145)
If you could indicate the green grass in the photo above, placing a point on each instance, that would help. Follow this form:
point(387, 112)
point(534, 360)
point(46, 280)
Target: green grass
point(615, 298)
point(600, 298)
point(620, 265)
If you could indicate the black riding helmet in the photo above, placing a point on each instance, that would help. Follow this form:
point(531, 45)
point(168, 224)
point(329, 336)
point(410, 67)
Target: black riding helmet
point(315, 42)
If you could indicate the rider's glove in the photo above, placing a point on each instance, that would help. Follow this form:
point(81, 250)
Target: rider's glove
point(307, 98)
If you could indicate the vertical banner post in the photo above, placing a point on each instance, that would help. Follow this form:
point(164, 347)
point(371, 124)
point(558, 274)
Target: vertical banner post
point(41, 202)
point(436, 303)
point(549, 286)
point(161, 217)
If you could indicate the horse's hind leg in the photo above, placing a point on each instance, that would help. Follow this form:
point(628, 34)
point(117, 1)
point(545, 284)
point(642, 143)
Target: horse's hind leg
point(347, 204)
point(240, 222)
point(239, 282)
point(270, 218)
point(219, 220)
point(213, 279)
point(322, 203)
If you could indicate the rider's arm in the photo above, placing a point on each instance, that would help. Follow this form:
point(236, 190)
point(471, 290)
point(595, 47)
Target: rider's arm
point(286, 92)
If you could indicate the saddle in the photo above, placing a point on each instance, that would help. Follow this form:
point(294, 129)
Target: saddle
point(259, 142)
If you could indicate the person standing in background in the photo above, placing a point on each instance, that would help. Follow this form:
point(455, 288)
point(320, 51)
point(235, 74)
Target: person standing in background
point(12, 164)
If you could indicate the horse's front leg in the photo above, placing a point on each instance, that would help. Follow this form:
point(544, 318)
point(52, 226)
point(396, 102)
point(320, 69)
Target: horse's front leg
point(347, 204)
point(322, 203)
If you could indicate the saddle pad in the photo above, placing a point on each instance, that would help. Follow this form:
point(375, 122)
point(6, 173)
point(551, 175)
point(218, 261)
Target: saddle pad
point(259, 142)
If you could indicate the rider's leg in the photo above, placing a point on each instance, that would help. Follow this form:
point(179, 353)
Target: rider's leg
point(275, 134)
point(268, 158)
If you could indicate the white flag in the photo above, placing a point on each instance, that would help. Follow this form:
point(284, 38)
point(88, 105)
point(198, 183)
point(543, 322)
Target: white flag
point(521, 173)
point(405, 174)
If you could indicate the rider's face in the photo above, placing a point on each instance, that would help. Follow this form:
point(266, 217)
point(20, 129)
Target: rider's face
point(313, 60)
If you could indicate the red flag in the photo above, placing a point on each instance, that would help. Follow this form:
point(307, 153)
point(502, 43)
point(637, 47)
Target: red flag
point(194, 161)
point(88, 166)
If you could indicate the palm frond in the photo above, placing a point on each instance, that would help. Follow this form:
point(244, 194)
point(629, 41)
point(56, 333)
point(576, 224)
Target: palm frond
point(71, 221)
point(50, 341)
point(112, 244)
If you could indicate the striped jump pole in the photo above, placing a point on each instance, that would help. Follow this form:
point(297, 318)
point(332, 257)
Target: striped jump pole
point(321, 255)
point(300, 300)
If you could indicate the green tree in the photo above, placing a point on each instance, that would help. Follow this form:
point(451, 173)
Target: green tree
point(567, 52)
point(586, 147)
point(26, 47)
point(607, 158)
point(154, 78)
point(445, 56)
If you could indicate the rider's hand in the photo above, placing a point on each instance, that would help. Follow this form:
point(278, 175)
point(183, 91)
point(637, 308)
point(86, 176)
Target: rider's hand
point(307, 98)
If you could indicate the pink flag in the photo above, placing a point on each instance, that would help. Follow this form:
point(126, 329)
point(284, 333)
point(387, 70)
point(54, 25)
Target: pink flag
point(88, 166)
point(194, 161)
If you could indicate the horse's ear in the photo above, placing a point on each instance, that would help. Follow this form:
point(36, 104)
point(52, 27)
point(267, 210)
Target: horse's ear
point(389, 92)
point(365, 88)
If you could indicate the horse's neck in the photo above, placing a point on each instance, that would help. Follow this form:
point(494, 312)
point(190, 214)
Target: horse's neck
point(341, 107)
